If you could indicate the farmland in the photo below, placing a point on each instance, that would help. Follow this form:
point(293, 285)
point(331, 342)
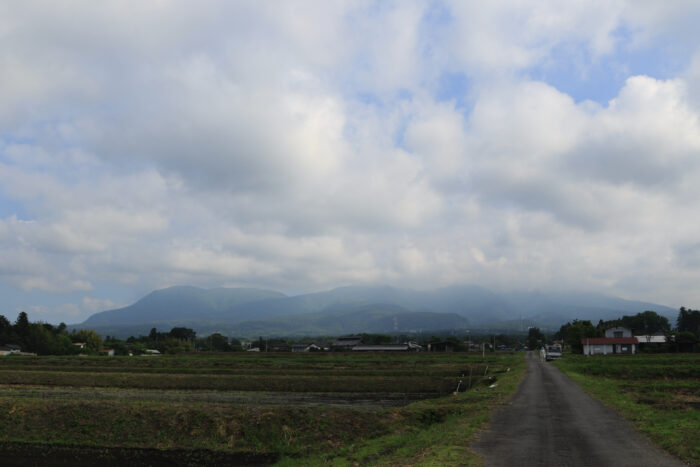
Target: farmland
point(250, 408)
point(659, 393)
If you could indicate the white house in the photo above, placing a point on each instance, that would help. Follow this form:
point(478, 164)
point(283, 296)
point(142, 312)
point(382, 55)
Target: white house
point(617, 340)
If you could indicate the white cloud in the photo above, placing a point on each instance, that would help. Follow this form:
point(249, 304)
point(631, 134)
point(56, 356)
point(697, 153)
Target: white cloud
point(302, 146)
point(93, 305)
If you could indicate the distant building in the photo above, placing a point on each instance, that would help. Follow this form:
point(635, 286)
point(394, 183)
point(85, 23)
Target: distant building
point(280, 348)
point(307, 348)
point(617, 340)
point(444, 346)
point(415, 347)
point(10, 349)
point(346, 343)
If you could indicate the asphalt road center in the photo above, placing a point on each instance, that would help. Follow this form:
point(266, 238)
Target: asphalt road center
point(551, 421)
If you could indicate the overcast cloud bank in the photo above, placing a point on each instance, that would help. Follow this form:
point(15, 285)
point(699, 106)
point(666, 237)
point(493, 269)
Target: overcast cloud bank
point(305, 145)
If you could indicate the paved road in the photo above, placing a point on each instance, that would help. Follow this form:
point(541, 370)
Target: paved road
point(551, 422)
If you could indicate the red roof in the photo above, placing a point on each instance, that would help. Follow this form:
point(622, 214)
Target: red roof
point(609, 340)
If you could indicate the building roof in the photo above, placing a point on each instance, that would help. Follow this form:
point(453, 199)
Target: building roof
point(347, 341)
point(380, 347)
point(609, 340)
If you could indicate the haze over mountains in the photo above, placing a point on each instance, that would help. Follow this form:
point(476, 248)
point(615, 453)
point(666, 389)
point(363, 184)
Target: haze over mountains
point(257, 312)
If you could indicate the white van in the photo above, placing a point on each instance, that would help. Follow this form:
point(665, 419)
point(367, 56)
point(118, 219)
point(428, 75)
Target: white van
point(552, 352)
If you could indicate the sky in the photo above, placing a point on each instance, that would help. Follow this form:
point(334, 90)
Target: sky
point(304, 145)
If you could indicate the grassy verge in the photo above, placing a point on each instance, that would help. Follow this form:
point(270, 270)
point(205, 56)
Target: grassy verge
point(659, 394)
point(428, 433)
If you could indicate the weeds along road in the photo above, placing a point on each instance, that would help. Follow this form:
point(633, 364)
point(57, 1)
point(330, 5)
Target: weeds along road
point(551, 421)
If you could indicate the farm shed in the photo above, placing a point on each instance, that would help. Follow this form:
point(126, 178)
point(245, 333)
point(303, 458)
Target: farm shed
point(655, 339)
point(651, 341)
point(609, 345)
point(346, 343)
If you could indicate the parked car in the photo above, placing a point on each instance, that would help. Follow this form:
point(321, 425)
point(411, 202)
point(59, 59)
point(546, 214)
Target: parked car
point(552, 352)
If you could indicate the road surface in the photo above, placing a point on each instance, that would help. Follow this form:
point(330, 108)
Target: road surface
point(551, 421)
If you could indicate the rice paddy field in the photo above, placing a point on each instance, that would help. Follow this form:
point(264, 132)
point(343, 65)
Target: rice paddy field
point(251, 409)
point(659, 393)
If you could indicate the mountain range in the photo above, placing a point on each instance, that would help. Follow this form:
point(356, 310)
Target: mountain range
point(247, 312)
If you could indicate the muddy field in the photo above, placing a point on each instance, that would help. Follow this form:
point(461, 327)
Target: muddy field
point(354, 400)
point(224, 409)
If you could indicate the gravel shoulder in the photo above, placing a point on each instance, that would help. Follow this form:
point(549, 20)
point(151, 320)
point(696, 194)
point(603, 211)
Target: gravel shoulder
point(551, 421)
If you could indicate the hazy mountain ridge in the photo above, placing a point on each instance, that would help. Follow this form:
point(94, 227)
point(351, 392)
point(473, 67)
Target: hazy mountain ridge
point(252, 312)
point(179, 303)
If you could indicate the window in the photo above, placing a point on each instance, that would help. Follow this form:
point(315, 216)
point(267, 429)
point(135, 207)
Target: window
point(617, 333)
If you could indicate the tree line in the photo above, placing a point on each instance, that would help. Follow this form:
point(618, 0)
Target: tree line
point(684, 335)
point(47, 339)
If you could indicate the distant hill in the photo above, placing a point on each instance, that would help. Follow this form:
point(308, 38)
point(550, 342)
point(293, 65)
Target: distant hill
point(254, 312)
point(180, 304)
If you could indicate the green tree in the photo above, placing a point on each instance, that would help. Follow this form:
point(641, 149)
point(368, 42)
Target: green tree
point(535, 338)
point(93, 341)
point(119, 347)
point(7, 333)
point(235, 345)
point(648, 322)
point(219, 343)
point(688, 321)
point(42, 339)
point(138, 348)
point(183, 333)
point(21, 324)
point(170, 345)
point(573, 332)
